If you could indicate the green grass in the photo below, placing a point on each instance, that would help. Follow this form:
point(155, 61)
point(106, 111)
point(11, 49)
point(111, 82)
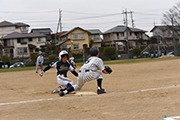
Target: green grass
point(127, 61)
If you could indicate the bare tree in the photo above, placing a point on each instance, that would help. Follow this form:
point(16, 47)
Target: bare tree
point(172, 16)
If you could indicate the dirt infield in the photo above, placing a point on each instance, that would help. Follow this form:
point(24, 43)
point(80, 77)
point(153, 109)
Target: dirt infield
point(139, 91)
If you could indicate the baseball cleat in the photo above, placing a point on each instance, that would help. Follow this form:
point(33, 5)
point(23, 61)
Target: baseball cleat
point(100, 91)
point(73, 92)
point(57, 90)
point(61, 93)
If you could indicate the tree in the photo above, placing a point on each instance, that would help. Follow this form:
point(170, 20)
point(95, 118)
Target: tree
point(34, 56)
point(5, 59)
point(172, 15)
point(52, 58)
point(109, 51)
point(136, 51)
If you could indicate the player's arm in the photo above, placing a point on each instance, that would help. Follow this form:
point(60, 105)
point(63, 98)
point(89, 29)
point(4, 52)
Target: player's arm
point(52, 65)
point(71, 68)
point(105, 72)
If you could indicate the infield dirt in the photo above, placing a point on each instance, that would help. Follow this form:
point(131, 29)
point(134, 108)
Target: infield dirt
point(120, 102)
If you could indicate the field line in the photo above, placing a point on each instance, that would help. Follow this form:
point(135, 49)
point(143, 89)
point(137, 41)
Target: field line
point(47, 99)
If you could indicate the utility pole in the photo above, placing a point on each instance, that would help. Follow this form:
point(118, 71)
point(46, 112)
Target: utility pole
point(131, 12)
point(127, 42)
point(174, 42)
point(59, 25)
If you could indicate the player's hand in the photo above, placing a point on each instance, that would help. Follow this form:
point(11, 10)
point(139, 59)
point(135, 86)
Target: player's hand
point(41, 73)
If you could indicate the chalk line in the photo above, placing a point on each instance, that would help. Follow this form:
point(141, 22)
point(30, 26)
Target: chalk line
point(172, 118)
point(38, 100)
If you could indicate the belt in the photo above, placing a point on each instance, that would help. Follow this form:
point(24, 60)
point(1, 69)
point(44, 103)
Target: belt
point(85, 70)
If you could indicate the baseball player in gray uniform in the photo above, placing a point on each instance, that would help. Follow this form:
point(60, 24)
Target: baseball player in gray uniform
point(39, 61)
point(89, 71)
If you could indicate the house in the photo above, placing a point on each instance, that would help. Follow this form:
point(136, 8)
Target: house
point(165, 34)
point(77, 38)
point(118, 36)
point(8, 27)
point(17, 45)
point(45, 31)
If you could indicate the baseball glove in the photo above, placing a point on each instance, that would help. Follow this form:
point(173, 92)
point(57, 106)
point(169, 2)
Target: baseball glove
point(108, 69)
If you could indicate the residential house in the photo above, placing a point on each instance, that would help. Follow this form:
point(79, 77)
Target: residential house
point(17, 45)
point(8, 27)
point(117, 36)
point(45, 31)
point(77, 38)
point(165, 34)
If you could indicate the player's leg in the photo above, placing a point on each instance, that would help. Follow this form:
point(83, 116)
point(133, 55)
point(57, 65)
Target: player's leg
point(64, 82)
point(72, 88)
point(41, 67)
point(98, 75)
point(36, 68)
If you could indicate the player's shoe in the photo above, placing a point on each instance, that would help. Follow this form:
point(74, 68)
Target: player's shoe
point(61, 93)
point(57, 90)
point(100, 91)
point(73, 92)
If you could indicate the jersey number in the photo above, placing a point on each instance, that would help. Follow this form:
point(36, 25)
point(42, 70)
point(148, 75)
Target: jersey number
point(87, 61)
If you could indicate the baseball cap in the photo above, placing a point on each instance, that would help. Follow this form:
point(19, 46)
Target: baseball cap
point(93, 51)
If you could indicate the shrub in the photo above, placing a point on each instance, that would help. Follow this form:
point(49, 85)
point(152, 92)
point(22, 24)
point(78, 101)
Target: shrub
point(136, 51)
point(109, 51)
point(52, 58)
point(5, 59)
point(34, 56)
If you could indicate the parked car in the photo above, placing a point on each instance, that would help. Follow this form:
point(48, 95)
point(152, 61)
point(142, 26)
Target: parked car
point(17, 64)
point(172, 53)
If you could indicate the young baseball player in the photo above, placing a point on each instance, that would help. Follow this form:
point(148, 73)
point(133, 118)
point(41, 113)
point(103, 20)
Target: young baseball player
point(39, 61)
point(62, 66)
point(89, 71)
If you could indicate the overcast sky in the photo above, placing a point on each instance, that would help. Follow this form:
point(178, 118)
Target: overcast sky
point(88, 14)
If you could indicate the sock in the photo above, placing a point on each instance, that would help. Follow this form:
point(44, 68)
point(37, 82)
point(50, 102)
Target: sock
point(99, 82)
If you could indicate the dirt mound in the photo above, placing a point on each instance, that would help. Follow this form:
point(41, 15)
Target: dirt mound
point(167, 56)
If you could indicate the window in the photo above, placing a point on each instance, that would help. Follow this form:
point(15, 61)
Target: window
point(81, 36)
point(22, 50)
point(130, 33)
point(64, 47)
point(24, 28)
point(22, 40)
point(78, 36)
point(117, 35)
point(75, 46)
point(41, 39)
point(10, 28)
point(1, 29)
point(30, 39)
point(10, 42)
point(122, 34)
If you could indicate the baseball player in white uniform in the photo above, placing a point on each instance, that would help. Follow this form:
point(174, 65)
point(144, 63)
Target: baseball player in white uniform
point(39, 61)
point(62, 66)
point(89, 71)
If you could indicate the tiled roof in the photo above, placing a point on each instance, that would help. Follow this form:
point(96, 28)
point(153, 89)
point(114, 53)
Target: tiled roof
point(121, 28)
point(22, 35)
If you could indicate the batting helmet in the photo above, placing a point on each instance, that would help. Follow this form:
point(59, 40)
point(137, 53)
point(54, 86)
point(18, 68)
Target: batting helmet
point(62, 54)
point(93, 51)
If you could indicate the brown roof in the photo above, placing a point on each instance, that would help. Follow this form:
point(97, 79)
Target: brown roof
point(6, 23)
point(20, 24)
point(23, 35)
